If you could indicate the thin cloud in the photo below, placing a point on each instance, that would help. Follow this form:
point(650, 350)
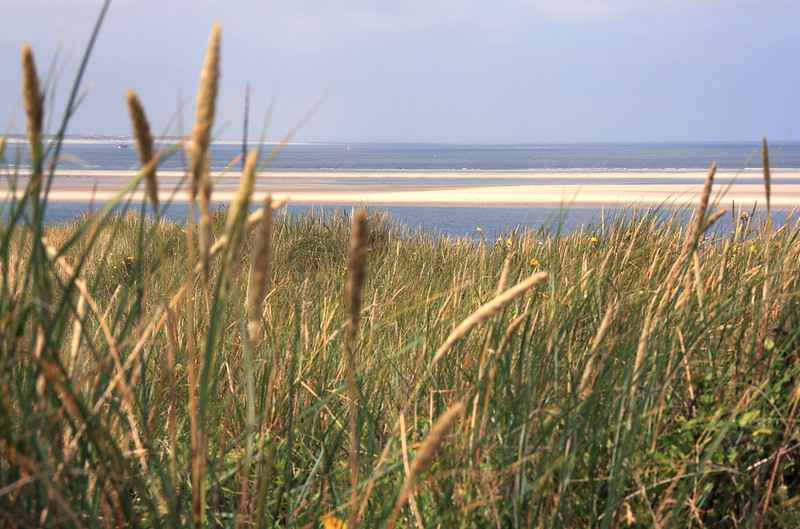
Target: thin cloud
point(588, 11)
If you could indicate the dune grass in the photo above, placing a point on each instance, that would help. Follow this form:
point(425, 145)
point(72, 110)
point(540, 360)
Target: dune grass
point(304, 372)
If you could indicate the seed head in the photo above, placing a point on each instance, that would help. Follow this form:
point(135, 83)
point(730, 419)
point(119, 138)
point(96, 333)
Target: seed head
point(32, 99)
point(356, 271)
point(204, 114)
point(144, 145)
point(260, 269)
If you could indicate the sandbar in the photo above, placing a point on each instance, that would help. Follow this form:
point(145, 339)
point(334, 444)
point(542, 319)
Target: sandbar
point(453, 188)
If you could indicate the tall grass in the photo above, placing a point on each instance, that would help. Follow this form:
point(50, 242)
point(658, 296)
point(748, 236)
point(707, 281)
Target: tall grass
point(637, 372)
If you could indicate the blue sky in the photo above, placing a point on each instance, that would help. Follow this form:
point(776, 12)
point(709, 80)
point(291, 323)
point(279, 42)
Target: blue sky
point(525, 71)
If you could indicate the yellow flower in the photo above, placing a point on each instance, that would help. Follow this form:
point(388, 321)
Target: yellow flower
point(478, 229)
point(593, 239)
point(534, 262)
point(752, 248)
point(334, 523)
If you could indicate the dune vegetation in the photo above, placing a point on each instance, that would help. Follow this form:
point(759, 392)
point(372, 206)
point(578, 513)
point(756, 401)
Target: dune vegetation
point(248, 368)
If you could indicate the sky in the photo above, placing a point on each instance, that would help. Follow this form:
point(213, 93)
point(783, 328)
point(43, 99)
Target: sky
point(502, 71)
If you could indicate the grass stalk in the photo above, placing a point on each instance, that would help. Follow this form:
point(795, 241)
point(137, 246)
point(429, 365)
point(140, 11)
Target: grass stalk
point(354, 292)
point(199, 156)
point(427, 451)
point(486, 311)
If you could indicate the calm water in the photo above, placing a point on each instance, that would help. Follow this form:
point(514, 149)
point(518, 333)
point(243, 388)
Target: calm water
point(451, 220)
point(457, 221)
point(336, 157)
point(439, 220)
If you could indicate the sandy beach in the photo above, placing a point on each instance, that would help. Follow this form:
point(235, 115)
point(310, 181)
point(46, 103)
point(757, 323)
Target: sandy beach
point(475, 188)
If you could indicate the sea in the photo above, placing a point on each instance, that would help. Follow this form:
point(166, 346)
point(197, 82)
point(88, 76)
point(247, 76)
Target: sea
point(446, 158)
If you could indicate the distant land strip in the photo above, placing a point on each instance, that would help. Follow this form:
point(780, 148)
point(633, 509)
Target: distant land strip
point(500, 188)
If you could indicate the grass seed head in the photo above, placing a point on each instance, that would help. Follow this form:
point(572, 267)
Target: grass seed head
point(501, 285)
point(204, 114)
point(703, 207)
point(260, 269)
point(356, 271)
point(32, 99)
point(144, 145)
point(200, 158)
point(237, 215)
point(242, 200)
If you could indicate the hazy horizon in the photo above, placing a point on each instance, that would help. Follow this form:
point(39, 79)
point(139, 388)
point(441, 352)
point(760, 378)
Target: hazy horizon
point(517, 71)
point(129, 138)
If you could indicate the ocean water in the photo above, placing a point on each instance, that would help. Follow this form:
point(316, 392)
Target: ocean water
point(464, 222)
point(452, 221)
point(120, 154)
point(340, 157)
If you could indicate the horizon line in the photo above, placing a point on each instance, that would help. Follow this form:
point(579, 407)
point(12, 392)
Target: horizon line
point(15, 137)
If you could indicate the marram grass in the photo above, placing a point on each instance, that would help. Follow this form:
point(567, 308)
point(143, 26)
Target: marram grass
point(561, 424)
point(638, 372)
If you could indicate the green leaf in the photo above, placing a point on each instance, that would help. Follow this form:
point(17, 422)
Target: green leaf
point(747, 417)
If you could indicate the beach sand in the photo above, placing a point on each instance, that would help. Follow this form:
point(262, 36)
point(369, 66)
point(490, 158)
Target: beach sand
point(474, 188)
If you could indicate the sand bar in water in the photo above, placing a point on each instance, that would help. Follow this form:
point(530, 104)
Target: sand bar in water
point(474, 188)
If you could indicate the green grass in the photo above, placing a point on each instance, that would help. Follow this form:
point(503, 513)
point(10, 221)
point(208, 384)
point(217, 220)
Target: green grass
point(647, 381)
